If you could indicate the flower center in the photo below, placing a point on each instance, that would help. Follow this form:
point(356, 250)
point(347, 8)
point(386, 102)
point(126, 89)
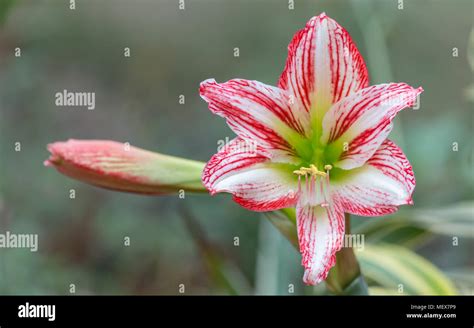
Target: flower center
point(315, 188)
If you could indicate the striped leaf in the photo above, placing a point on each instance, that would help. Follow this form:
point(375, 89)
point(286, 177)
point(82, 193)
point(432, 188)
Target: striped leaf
point(398, 268)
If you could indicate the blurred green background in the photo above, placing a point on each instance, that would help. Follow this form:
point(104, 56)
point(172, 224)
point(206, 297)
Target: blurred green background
point(191, 241)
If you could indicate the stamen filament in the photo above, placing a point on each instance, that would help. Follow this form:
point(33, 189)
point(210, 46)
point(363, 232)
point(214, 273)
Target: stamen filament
point(316, 188)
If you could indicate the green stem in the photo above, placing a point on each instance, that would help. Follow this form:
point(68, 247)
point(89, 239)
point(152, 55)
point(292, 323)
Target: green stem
point(345, 276)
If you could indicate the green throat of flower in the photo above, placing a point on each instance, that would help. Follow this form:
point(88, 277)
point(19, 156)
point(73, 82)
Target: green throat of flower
point(317, 160)
point(312, 151)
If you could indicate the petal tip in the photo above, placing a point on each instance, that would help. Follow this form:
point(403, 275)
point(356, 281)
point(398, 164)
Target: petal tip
point(204, 87)
point(322, 15)
point(56, 150)
point(317, 20)
point(212, 191)
point(311, 280)
point(51, 147)
point(207, 82)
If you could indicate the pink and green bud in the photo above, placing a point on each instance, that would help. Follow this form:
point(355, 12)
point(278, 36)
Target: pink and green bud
point(119, 166)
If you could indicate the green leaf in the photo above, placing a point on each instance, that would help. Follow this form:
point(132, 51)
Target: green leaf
point(463, 278)
point(398, 268)
point(382, 291)
point(357, 287)
point(397, 231)
point(410, 228)
point(278, 269)
point(223, 271)
point(285, 222)
point(451, 220)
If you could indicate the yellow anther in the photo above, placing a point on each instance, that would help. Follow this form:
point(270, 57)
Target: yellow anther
point(315, 171)
point(311, 170)
point(300, 172)
point(305, 170)
point(322, 174)
point(327, 167)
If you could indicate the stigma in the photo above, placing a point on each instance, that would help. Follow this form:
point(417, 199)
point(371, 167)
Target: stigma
point(314, 189)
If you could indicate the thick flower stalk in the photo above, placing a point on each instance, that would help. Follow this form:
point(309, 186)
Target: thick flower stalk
point(317, 141)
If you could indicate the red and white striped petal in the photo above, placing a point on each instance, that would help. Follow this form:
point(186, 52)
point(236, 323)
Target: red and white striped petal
point(247, 173)
point(360, 123)
point(258, 112)
point(380, 186)
point(320, 235)
point(323, 65)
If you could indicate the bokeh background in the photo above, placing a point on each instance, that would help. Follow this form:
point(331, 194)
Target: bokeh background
point(191, 241)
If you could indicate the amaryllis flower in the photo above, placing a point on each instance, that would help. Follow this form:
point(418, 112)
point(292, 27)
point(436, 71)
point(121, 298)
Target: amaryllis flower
point(317, 141)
